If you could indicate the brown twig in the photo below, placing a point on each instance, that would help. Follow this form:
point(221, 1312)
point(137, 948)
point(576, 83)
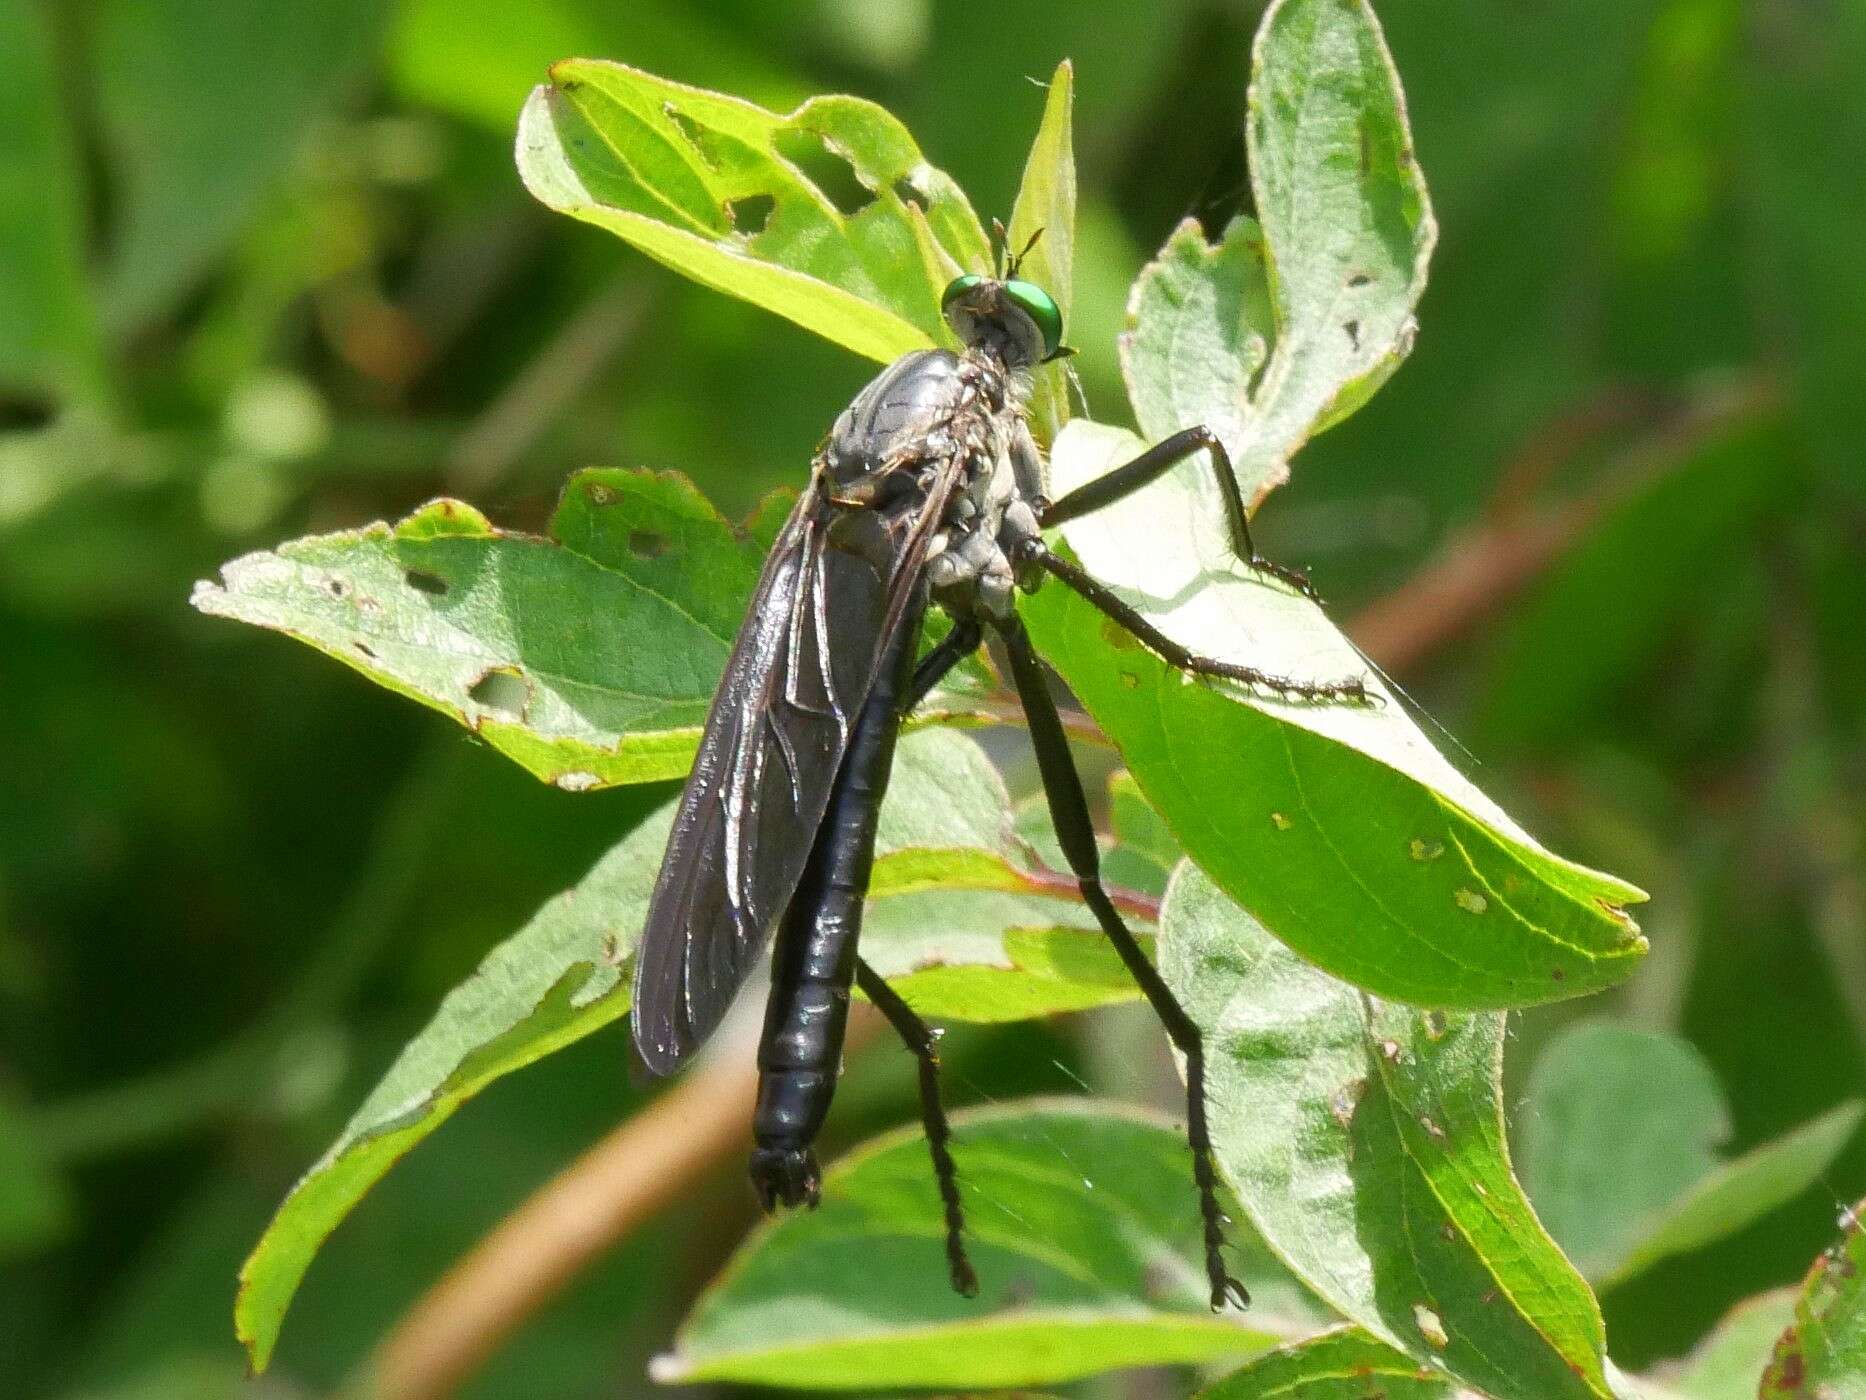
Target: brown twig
point(581, 1213)
point(1483, 567)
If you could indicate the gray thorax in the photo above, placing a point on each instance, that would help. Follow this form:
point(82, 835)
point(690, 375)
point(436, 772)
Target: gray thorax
point(922, 413)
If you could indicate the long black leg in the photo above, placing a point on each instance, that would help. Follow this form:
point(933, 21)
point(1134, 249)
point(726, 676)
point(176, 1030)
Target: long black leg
point(923, 1042)
point(1106, 600)
point(946, 653)
point(1155, 462)
point(1062, 785)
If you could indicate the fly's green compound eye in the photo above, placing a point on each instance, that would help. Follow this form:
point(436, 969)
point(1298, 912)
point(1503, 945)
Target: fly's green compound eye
point(1041, 308)
point(958, 287)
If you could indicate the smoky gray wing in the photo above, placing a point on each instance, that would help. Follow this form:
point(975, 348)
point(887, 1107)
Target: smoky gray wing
point(799, 672)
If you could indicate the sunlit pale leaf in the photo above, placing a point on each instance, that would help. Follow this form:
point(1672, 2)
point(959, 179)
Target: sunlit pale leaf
point(1046, 206)
point(1080, 1222)
point(1365, 1141)
point(1293, 322)
point(589, 656)
point(829, 216)
point(1340, 826)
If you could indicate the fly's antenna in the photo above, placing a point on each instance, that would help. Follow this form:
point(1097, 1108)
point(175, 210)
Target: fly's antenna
point(1002, 258)
point(1022, 253)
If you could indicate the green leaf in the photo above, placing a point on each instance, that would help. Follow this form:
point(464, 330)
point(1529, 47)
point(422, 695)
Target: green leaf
point(204, 105)
point(1348, 834)
point(1746, 1189)
point(1728, 1363)
point(734, 197)
point(1344, 830)
point(589, 657)
point(1822, 1353)
point(1807, 64)
point(1341, 1365)
point(1078, 1220)
point(1619, 1145)
point(48, 333)
point(983, 955)
point(1199, 328)
point(36, 1204)
point(1617, 1125)
point(1345, 215)
point(1046, 204)
point(1366, 1143)
point(565, 974)
point(1286, 329)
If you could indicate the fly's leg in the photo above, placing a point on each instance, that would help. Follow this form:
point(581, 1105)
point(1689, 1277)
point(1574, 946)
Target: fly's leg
point(1105, 600)
point(922, 1042)
point(1062, 785)
point(941, 657)
point(1155, 462)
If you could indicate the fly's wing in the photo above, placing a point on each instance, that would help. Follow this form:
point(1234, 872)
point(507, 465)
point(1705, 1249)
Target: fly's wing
point(800, 671)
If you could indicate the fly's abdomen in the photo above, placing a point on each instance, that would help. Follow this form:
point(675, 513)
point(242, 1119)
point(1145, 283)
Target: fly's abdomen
point(813, 965)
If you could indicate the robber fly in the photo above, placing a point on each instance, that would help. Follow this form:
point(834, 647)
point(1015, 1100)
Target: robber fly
point(929, 491)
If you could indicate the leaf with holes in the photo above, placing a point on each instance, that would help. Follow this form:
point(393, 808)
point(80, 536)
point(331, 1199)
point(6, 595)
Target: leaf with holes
point(1822, 1353)
point(589, 657)
point(1073, 1280)
point(1619, 1148)
point(1288, 326)
point(1046, 211)
point(829, 216)
point(1346, 832)
point(1346, 1364)
point(565, 974)
point(1365, 1141)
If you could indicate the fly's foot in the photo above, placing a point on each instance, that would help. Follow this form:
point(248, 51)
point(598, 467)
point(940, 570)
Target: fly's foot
point(1295, 578)
point(785, 1176)
point(1351, 689)
point(1228, 1292)
point(964, 1281)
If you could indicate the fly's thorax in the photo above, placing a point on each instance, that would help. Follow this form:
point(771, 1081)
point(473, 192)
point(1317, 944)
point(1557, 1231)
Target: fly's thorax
point(905, 416)
point(971, 564)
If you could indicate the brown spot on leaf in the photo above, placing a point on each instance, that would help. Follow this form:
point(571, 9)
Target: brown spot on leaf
point(647, 544)
point(1117, 636)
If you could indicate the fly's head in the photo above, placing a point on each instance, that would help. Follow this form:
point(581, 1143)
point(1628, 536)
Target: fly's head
point(1017, 320)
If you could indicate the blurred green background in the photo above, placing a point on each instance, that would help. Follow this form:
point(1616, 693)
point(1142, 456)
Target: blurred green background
point(265, 268)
